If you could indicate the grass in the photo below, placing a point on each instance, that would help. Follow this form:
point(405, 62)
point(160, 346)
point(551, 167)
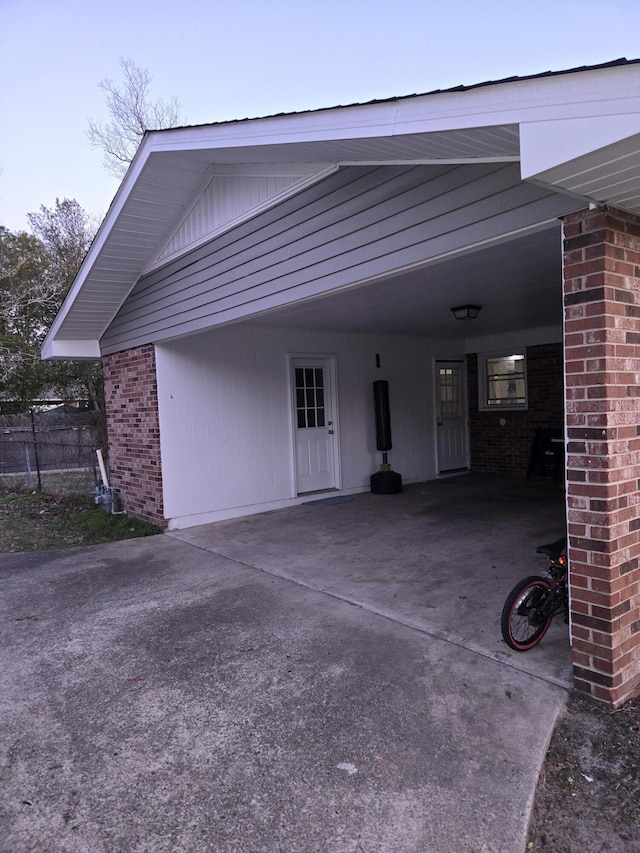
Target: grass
point(34, 521)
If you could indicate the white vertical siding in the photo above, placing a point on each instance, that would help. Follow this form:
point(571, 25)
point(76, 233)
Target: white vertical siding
point(225, 416)
point(225, 200)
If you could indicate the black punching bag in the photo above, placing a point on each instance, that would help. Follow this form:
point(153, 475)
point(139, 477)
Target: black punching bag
point(385, 481)
point(383, 414)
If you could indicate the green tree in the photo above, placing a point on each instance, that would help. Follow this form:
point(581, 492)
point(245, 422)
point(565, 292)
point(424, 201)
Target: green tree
point(25, 297)
point(36, 271)
point(131, 115)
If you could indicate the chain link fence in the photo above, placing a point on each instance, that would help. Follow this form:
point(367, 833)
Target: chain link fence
point(50, 453)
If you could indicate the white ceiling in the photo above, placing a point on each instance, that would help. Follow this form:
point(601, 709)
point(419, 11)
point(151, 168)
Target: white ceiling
point(517, 283)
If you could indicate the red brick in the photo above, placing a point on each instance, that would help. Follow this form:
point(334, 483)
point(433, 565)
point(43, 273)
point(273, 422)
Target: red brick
point(131, 400)
point(602, 250)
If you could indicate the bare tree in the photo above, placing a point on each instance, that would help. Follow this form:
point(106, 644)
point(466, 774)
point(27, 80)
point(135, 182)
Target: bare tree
point(66, 231)
point(131, 115)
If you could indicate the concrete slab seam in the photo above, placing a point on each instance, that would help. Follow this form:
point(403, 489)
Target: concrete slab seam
point(444, 636)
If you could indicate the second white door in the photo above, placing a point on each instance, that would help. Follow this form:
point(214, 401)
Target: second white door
point(452, 426)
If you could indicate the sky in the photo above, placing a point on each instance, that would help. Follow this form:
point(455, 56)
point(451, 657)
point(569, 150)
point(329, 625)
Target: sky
point(246, 58)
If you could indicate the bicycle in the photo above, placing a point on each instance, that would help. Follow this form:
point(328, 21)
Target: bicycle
point(535, 600)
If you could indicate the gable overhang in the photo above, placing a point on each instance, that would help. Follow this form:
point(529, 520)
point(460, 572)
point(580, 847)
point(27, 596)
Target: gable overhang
point(576, 132)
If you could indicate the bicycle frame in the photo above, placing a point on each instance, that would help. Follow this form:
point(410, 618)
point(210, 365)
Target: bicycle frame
point(535, 600)
point(559, 576)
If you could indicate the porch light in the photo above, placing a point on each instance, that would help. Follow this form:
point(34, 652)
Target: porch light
point(466, 312)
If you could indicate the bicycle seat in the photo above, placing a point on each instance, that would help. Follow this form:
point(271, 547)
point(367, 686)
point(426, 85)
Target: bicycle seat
point(553, 549)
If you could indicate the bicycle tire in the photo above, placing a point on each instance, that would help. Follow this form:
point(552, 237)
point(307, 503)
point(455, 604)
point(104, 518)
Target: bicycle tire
point(522, 623)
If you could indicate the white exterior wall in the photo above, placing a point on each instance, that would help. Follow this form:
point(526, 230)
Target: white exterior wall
point(226, 422)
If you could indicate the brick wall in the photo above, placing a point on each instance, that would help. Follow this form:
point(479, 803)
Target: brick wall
point(505, 449)
point(131, 401)
point(602, 362)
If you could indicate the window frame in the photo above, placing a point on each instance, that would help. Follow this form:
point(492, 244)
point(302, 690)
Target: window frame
point(504, 404)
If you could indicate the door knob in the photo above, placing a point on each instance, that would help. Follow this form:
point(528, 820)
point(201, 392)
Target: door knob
point(330, 432)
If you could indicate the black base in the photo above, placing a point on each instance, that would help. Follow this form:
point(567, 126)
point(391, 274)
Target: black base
point(386, 483)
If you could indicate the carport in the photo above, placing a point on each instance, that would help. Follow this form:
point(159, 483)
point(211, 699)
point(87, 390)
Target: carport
point(239, 258)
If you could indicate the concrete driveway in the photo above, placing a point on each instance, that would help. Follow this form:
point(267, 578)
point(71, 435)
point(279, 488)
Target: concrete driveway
point(225, 694)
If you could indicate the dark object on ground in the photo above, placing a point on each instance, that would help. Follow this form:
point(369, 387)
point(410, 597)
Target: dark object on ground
point(386, 483)
point(338, 499)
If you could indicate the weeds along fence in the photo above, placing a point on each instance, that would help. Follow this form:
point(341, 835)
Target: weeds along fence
point(49, 453)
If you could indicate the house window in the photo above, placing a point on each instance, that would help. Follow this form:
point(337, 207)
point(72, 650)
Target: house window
point(503, 381)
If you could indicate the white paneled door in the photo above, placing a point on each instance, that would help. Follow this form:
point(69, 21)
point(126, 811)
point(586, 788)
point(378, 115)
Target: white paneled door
point(451, 410)
point(314, 410)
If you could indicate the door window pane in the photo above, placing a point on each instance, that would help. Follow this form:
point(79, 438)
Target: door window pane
point(310, 411)
point(450, 393)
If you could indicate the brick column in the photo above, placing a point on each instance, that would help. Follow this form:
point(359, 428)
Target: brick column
point(131, 402)
point(602, 373)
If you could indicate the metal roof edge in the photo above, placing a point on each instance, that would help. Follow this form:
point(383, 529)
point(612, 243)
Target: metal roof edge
point(615, 63)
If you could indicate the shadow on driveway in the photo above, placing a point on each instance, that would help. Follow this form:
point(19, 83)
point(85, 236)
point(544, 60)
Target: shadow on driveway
point(440, 557)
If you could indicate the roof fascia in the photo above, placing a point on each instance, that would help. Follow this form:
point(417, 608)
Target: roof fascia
point(87, 350)
point(608, 92)
point(102, 235)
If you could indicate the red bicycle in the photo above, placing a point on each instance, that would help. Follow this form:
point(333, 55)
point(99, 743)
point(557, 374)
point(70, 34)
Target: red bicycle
point(535, 600)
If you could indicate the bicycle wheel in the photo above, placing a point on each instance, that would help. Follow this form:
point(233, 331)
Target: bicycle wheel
point(525, 618)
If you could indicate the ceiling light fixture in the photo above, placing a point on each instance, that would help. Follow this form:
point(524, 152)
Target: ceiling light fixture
point(466, 312)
